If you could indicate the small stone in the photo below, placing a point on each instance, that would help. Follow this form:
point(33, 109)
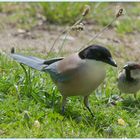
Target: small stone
point(21, 31)
point(121, 122)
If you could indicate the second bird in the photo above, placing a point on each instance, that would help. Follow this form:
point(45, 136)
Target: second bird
point(129, 78)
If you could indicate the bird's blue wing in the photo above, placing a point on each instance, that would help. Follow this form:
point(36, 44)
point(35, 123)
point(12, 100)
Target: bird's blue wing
point(55, 75)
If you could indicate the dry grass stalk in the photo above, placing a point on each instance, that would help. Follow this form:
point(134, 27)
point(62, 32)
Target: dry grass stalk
point(119, 13)
point(78, 26)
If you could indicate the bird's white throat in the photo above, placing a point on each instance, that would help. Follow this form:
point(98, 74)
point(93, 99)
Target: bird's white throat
point(95, 67)
point(94, 63)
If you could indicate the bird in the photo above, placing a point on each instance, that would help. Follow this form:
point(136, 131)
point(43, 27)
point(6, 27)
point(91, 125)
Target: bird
point(129, 78)
point(77, 74)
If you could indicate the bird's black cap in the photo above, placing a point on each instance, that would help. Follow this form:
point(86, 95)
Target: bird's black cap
point(99, 53)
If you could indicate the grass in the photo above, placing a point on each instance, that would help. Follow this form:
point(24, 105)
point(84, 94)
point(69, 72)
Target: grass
point(30, 106)
point(33, 108)
point(29, 15)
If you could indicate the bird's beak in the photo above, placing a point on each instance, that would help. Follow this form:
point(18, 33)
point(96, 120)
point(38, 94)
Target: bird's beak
point(111, 62)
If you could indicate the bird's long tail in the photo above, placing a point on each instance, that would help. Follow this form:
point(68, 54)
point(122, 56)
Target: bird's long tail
point(33, 62)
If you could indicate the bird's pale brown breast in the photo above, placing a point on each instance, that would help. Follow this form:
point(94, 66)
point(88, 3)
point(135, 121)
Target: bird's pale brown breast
point(86, 76)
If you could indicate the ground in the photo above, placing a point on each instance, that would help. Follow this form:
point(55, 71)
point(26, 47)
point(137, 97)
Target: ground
point(31, 106)
point(41, 39)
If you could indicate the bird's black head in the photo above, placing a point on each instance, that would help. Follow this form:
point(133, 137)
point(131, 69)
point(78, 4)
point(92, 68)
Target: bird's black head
point(97, 53)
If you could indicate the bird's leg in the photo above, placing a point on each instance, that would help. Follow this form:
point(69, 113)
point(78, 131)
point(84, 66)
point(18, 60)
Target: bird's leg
point(64, 100)
point(86, 103)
